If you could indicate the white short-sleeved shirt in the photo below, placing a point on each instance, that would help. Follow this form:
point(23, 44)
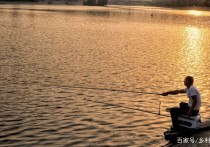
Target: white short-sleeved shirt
point(191, 92)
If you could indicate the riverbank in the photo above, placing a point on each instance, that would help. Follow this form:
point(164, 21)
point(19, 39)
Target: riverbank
point(61, 2)
point(201, 138)
point(161, 7)
point(110, 5)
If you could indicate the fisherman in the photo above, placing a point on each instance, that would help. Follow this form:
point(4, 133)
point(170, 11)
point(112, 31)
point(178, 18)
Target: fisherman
point(191, 108)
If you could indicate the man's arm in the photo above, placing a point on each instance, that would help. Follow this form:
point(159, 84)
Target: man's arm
point(194, 102)
point(173, 92)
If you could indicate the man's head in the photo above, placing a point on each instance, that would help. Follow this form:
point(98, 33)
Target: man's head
point(188, 81)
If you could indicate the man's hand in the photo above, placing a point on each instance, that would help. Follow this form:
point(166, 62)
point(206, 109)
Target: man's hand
point(164, 94)
point(189, 113)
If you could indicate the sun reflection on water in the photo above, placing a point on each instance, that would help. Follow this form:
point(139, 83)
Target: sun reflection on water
point(193, 49)
point(195, 12)
point(194, 38)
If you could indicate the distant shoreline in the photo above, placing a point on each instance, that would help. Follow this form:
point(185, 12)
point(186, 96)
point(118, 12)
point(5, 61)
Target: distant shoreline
point(43, 3)
point(63, 3)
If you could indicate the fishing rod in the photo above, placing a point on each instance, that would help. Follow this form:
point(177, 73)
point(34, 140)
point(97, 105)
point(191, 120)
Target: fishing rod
point(126, 91)
point(119, 90)
point(115, 90)
point(136, 109)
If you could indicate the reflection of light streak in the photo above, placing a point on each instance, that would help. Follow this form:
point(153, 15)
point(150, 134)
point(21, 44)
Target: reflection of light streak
point(193, 49)
point(195, 12)
point(194, 36)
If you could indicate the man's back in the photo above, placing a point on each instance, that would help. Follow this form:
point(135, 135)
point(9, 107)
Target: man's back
point(192, 91)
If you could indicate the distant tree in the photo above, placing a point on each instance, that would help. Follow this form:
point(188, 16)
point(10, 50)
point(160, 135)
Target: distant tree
point(91, 2)
point(207, 3)
point(95, 2)
point(102, 2)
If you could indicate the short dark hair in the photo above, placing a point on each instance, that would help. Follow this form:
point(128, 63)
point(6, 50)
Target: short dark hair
point(190, 79)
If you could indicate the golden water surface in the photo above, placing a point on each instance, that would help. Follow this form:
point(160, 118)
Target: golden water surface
point(66, 72)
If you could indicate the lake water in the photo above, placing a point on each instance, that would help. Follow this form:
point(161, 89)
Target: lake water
point(66, 72)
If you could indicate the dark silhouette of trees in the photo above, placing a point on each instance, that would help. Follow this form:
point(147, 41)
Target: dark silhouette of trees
point(95, 2)
point(179, 3)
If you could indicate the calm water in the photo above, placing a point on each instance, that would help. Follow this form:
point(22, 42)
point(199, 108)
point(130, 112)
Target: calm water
point(48, 51)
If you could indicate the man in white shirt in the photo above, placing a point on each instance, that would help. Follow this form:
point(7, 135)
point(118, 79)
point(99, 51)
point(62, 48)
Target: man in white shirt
point(191, 108)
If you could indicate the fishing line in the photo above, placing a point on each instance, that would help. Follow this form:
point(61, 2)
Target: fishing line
point(126, 91)
point(127, 107)
point(116, 90)
point(136, 109)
